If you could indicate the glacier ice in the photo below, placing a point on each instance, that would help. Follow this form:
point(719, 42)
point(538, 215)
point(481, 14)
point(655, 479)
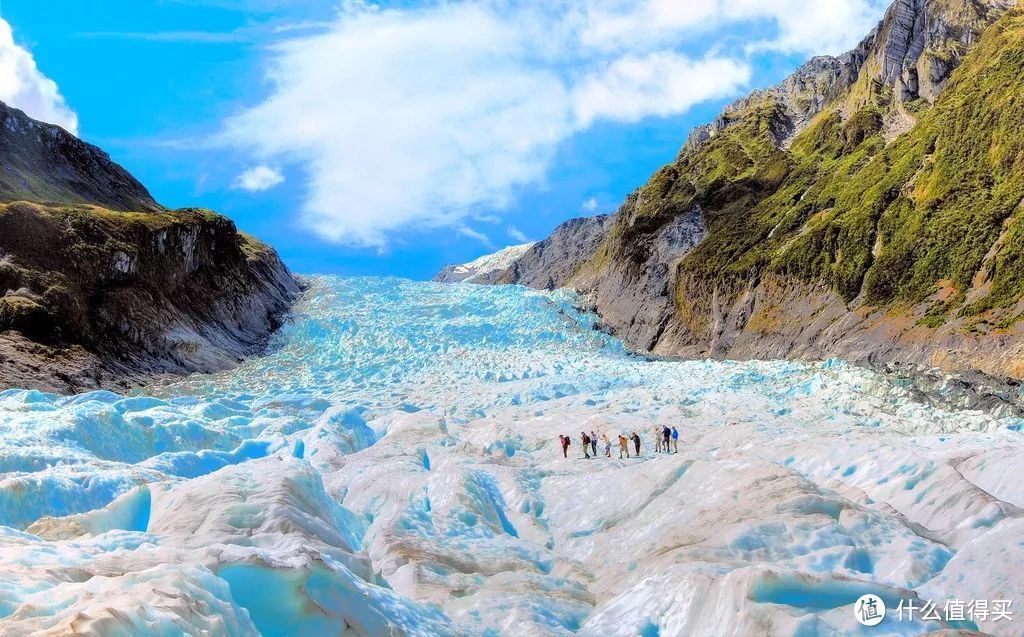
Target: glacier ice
point(393, 467)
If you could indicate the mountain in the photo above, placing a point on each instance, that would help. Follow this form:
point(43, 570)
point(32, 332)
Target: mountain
point(482, 270)
point(868, 207)
point(47, 164)
point(548, 264)
point(100, 286)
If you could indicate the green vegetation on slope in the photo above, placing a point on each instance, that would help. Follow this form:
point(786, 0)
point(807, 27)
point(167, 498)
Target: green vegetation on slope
point(892, 224)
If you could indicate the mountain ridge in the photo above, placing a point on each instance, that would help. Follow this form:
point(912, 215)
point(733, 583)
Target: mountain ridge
point(875, 223)
point(46, 164)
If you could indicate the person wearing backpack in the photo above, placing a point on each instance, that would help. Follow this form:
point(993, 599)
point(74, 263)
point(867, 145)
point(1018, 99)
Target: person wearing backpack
point(636, 442)
point(586, 444)
point(593, 442)
point(675, 439)
point(665, 434)
point(565, 445)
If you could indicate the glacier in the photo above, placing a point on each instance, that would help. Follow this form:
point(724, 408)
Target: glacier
point(392, 467)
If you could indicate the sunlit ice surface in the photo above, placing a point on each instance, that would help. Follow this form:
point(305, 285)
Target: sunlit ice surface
point(393, 467)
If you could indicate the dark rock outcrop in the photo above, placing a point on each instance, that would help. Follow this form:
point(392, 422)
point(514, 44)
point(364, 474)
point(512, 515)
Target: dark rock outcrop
point(94, 298)
point(550, 263)
point(100, 286)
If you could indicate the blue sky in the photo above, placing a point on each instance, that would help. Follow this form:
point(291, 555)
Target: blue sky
point(396, 138)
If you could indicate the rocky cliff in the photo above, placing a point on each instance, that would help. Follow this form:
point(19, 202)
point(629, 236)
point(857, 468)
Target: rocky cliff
point(868, 207)
point(102, 287)
point(550, 263)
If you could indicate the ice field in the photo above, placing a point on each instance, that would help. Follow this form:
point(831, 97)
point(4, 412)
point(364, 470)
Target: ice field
point(393, 468)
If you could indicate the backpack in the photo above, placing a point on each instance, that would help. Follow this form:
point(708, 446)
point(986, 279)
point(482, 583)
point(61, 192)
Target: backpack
point(675, 435)
point(586, 440)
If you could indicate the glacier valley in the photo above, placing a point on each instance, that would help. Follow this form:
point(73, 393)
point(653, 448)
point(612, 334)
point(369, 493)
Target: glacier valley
point(393, 467)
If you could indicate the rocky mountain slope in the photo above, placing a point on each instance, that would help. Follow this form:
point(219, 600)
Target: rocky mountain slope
point(102, 287)
point(868, 207)
point(45, 163)
point(484, 270)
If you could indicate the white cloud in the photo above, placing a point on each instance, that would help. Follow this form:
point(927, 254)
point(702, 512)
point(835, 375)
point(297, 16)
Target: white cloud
point(590, 205)
point(517, 234)
point(258, 179)
point(423, 117)
point(665, 83)
point(466, 231)
point(23, 86)
point(801, 26)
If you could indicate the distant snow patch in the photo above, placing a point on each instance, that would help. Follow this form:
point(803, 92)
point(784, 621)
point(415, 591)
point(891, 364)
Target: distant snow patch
point(483, 269)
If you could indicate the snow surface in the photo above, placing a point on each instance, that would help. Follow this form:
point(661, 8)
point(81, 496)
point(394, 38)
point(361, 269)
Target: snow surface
point(480, 268)
point(393, 467)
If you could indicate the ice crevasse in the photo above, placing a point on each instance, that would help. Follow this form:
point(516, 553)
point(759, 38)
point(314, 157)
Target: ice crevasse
point(392, 467)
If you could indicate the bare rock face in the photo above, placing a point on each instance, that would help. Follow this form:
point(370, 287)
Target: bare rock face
point(550, 263)
point(921, 42)
point(913, 50)
point(634, 295)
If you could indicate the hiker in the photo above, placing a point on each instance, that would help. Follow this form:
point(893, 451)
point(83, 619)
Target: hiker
point(593, 442)
point(565, 445)
point(623, 446)
point(657, 438)
point(666, 434)
point(586, 444)
point(636, 441)
point(607, 445)
point(675, 440)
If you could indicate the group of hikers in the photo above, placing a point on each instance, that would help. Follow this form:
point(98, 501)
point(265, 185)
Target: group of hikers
point(665, 440)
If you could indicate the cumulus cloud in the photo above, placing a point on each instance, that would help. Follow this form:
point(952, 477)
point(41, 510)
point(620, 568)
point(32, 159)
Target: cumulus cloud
point(424, 116)
point(258, 179)
point(22, 85)
point(632, 88)
point(590, 205)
